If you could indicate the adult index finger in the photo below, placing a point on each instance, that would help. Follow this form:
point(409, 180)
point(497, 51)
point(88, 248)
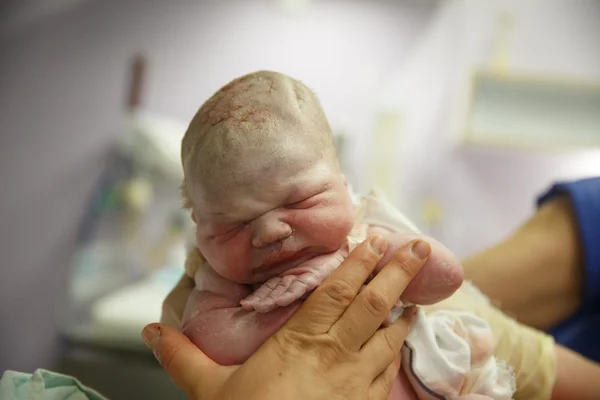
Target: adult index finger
point(329, 301)
point(366, 314)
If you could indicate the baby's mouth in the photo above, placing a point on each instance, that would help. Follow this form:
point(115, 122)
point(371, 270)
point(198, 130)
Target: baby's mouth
point(283, 262)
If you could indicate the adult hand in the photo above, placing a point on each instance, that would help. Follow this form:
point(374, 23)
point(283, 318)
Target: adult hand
point(333, 347)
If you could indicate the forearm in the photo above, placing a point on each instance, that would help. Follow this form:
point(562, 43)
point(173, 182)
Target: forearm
point(576, 377)
point(536, 273)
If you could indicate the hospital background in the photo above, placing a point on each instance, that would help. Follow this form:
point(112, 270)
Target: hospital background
point(463, 111)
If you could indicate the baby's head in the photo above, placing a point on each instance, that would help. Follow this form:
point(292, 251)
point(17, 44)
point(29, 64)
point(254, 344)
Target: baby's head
point(262, 178)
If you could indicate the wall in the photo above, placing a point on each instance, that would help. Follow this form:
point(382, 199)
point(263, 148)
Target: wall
point(559, 38)
point(485, 193)
point(62, 89)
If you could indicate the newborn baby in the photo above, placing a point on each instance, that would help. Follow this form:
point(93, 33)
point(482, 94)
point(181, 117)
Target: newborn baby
point(275, 217)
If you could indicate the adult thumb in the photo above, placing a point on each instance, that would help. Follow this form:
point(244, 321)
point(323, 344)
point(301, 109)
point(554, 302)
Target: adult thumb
point(184, 362)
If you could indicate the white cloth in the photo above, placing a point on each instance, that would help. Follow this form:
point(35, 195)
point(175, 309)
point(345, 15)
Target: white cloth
point(447, 353)
point(450, 353)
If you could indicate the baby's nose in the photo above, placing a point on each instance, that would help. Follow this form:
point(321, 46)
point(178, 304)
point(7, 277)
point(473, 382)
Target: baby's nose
point(267, 232)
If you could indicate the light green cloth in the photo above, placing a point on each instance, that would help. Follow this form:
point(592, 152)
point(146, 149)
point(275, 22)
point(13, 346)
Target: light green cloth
point(43, 385)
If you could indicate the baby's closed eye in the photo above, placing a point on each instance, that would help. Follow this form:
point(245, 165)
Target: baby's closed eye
point(225, 232)
point(299, 205)
point(304, 203)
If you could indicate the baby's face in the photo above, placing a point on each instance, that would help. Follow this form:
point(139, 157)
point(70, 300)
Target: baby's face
point(285, 216)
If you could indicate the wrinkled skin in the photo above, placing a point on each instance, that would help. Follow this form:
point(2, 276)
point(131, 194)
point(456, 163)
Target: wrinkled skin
point(229, 320)
point(275, 222)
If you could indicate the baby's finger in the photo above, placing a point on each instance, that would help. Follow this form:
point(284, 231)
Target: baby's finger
point(329, 301)
point(294, 293)
point(265, 305)
point(247, 304)
point(269, 302)
point(303, 284)
point(283, 286)
point(185, 363)
point(366, 314)
point(266, 288)
point(309, 280)
point(382, 385)
point(260, 294)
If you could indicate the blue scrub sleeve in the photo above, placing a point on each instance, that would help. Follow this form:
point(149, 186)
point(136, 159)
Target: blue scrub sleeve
point(585, 198)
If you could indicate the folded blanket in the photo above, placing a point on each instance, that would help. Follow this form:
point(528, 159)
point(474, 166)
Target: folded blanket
point(44, 385)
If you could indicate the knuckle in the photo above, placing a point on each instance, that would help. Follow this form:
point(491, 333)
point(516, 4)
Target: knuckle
point(167, 354)
point(290, 344)
point(387, 380)
point(367, 261)
point(340, 291)
point(285, 341)
point(393, 342)
point(375, 302)
point(409, 268)
point(319, 351)
point(272, 283)
point(307, 277)
point(332, 352)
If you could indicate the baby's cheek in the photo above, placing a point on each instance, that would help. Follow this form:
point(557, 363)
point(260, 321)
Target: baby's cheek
point(324, 226)
point(230, 260)
point(338, 222)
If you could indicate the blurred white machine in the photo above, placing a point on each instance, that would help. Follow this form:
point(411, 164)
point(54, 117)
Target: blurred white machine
point(152, 143)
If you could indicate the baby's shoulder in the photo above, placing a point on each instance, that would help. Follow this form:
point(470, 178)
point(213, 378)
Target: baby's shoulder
point(194, 262)
point(375, 209)
point(378, 230)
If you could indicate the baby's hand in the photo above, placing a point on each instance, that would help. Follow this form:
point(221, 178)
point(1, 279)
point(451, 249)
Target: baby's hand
point(280, 292)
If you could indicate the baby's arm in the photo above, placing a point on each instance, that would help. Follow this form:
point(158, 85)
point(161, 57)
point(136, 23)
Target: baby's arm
point(438, 279)
point(441, 276)
point(283, 290)
point(215, 322)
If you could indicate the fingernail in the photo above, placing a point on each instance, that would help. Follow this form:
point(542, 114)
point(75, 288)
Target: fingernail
point(150, 335)
point(378, 244)
point(421, 249)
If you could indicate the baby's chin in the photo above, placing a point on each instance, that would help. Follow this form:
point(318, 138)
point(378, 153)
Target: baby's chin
point(311, 262)
point(316, 262)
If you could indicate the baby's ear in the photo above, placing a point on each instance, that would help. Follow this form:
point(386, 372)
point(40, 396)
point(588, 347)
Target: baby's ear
point(194, 216)
point(185, 196)
point(345, 180)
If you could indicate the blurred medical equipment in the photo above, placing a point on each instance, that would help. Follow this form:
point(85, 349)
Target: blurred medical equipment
point(131, 248)
point(518, 109)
